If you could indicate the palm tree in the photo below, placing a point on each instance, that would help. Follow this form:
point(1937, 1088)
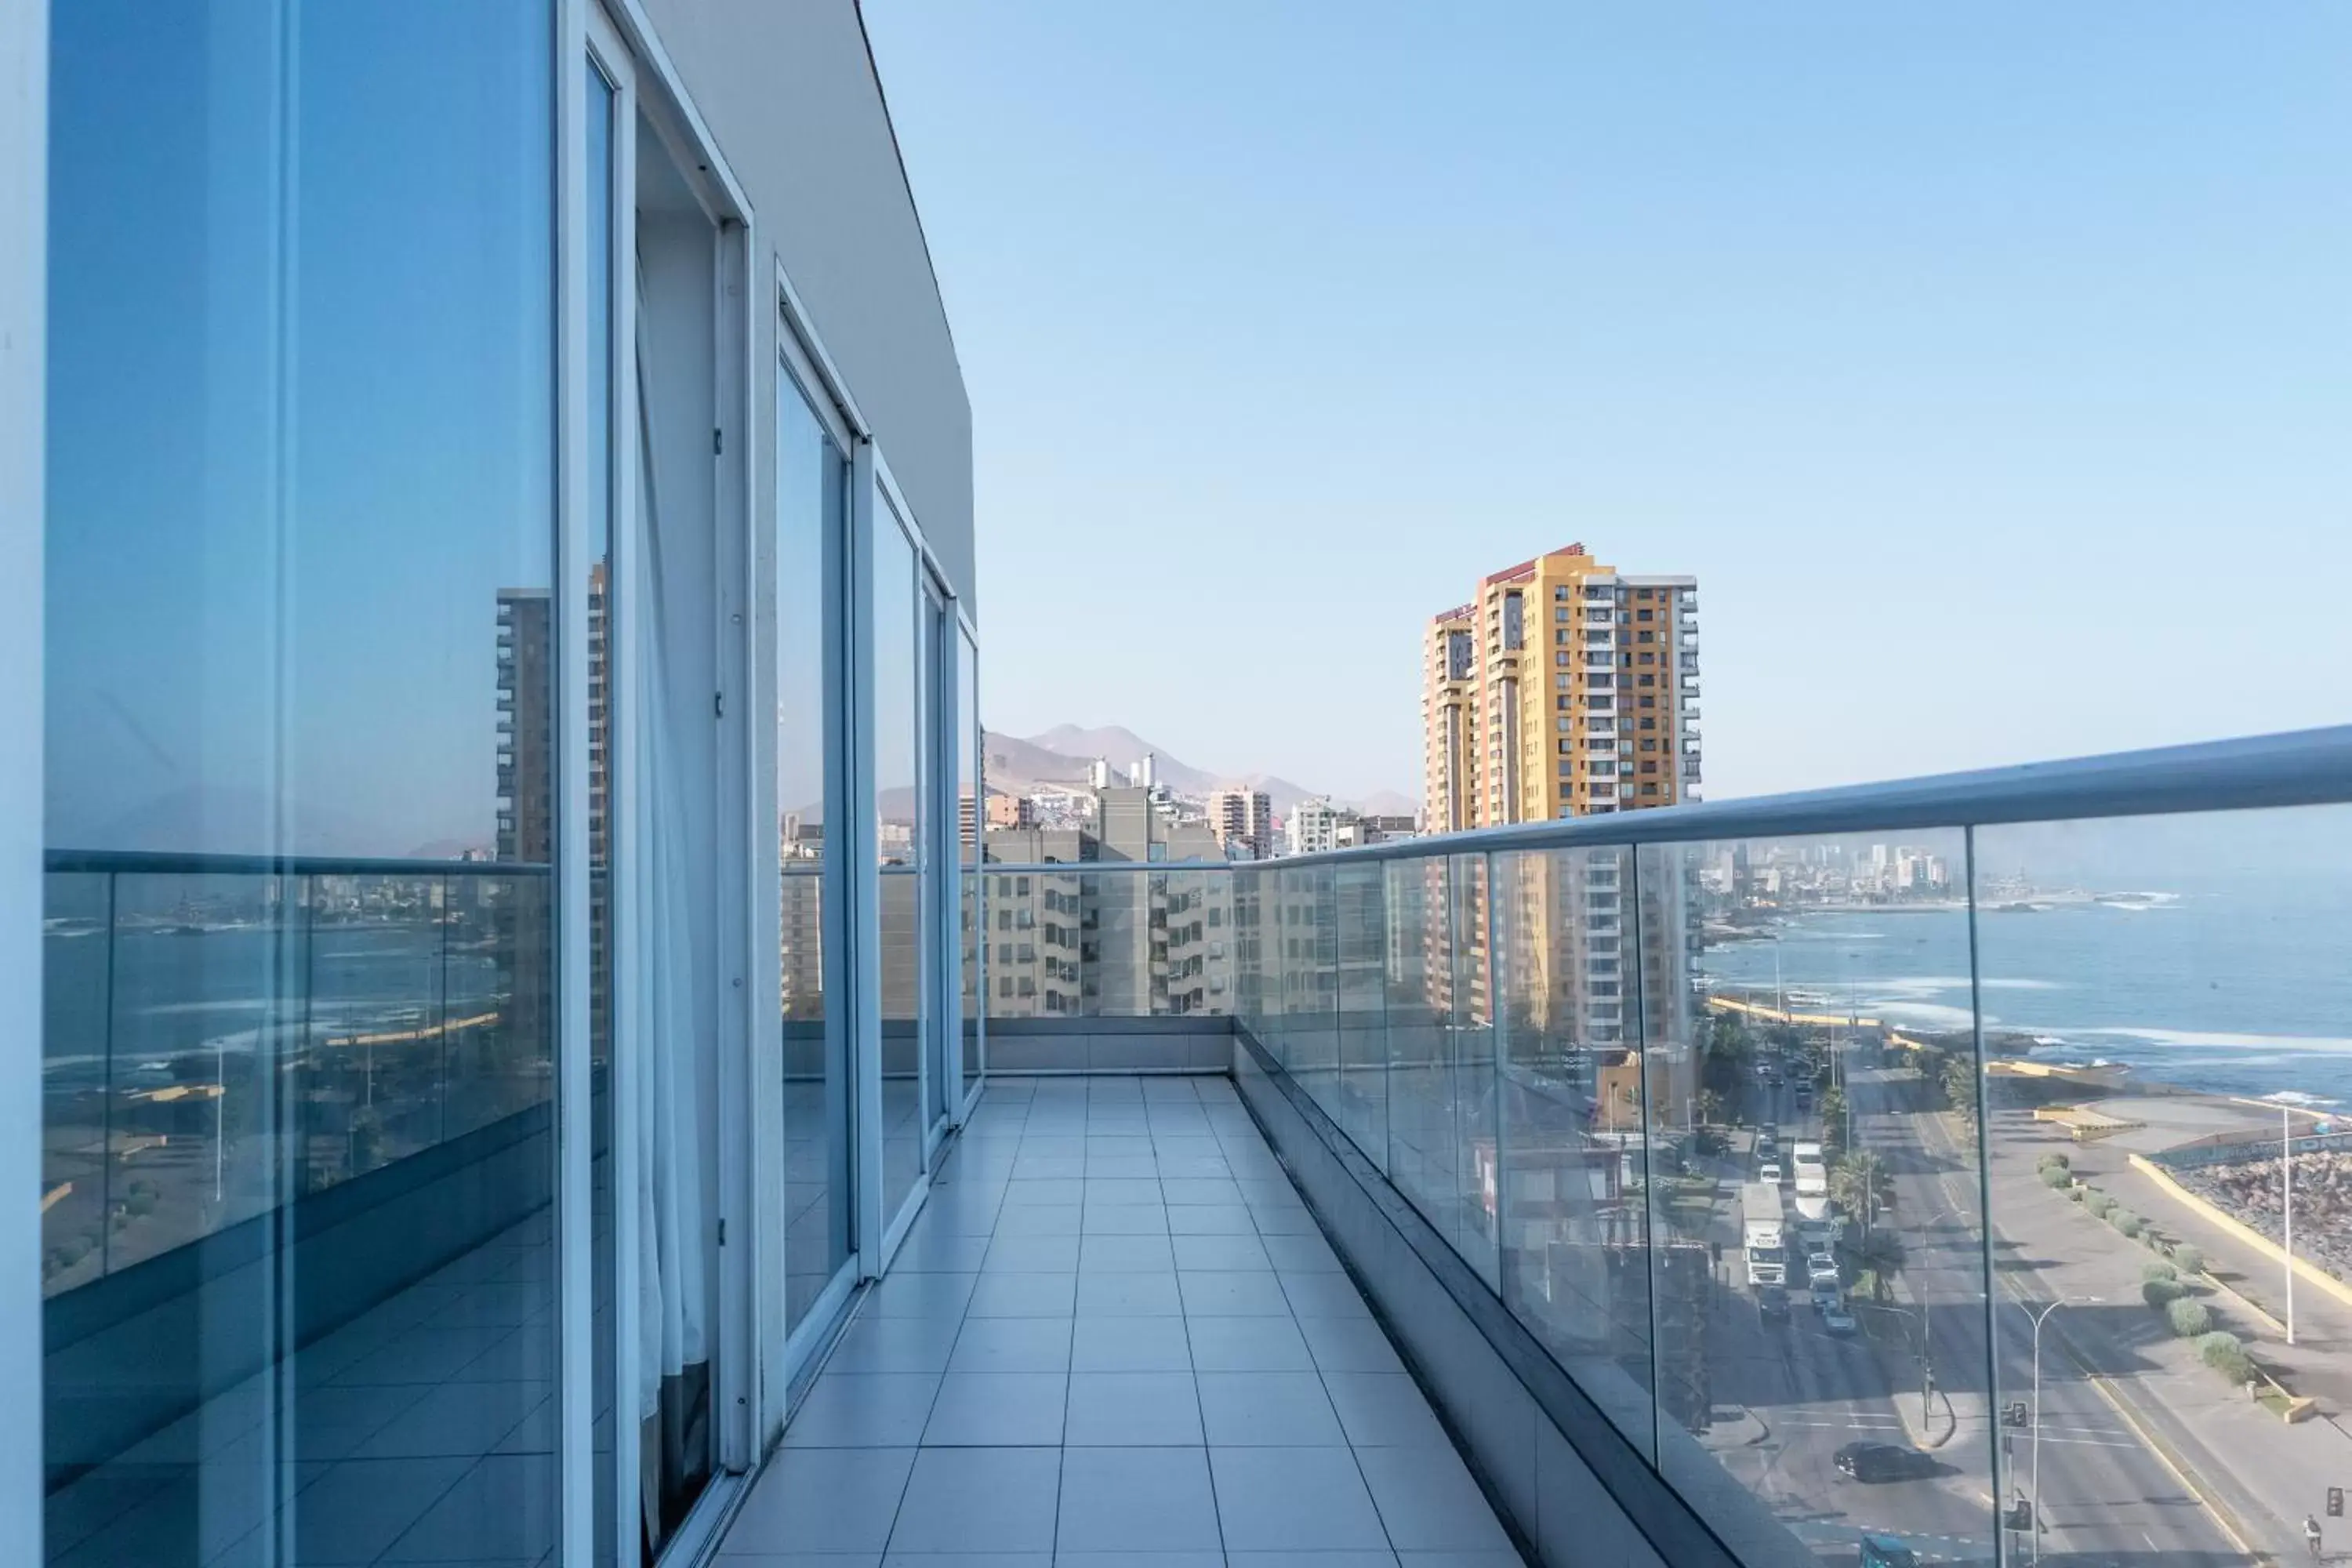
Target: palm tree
point(1858, 1183)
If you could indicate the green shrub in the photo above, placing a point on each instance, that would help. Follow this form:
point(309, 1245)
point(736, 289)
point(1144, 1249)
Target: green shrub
point(2057, 1159)
point(2158, 1271)
point(2188, 1318)
point(2126, 1222)
point(2220, 1351)
point(2098, 1202)
point(2161, 1293)
point(2058, 1178)
point(2186, 1258)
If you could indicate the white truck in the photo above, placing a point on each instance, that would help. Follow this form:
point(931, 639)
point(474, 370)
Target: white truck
point(1760, 1227)
point(1815, 1228)
point(1812, 1172)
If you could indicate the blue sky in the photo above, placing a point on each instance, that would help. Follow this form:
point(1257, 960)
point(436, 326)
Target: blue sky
point(1991, 366)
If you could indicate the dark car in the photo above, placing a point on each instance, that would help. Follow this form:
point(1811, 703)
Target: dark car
point(1885, 1552)
point(1772, 1304)
point(1883, 1462)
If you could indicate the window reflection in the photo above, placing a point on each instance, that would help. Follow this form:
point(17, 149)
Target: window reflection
point(300, 661)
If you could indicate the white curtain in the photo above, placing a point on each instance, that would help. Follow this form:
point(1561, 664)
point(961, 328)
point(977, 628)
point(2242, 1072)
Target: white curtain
point(657, 1008)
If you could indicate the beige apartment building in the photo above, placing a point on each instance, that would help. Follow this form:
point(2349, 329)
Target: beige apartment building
point(1563, 687)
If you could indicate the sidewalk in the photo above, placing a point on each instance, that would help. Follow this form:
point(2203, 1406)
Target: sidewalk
point(2259, 1473)
point(2319, 1364)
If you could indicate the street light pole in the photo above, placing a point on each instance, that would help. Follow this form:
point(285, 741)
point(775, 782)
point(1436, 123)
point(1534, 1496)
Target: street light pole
point(2039, 1318)
point(2286, 1189)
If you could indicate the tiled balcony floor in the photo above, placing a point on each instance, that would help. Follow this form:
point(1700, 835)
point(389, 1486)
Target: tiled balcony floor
point(1115, 1333)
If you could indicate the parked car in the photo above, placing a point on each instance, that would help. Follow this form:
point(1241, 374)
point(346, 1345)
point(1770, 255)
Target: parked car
point(1837, 1321)
point(1820, 1268)
point(1772, 1305)
point(1828, 1299)
point(1883, 1462)
point(1767, 1142)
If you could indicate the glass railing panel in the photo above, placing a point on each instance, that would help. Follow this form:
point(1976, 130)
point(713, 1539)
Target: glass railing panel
point(1310, 977)
point(77, 1079)
point(1360, 906)
point(1108, 940)
point(2168, 1024)
point(1818, 1268)
point(1477, 1122)
point(1570, 1187)
point(1421, 1038)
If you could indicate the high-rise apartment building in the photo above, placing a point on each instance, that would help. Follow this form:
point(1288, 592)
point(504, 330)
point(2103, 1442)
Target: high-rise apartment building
point(1563, 687)
point(1243, 817)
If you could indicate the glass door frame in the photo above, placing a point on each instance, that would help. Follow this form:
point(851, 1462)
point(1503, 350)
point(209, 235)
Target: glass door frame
point(618, 47)
point(803, 372)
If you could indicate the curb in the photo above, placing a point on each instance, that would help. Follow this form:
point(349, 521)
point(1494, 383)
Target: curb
point(2238, 1230)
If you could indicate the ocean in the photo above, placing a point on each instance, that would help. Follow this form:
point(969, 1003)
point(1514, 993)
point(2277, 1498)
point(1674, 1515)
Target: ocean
point(2240, 989)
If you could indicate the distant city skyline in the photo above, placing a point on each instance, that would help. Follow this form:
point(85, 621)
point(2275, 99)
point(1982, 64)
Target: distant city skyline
point(1945, 349)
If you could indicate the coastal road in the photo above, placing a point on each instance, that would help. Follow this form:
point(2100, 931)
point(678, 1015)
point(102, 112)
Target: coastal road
point(2106, 1495)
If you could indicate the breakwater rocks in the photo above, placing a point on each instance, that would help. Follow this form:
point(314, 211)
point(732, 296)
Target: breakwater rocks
point(2323, 1202)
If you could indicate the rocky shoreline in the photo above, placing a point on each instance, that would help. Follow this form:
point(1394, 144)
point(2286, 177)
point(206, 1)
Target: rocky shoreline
point(2248, 1192)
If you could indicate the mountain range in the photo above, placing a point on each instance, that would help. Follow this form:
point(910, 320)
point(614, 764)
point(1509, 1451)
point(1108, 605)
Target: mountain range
point(1060, 755)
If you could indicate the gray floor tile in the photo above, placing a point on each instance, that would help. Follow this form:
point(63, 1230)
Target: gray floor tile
point(1122, 1190)
point(1268, 1410)
point(916, 1295)
point(1031, 1255)
point(1428, 1501)
point(1212, 1219)
point(1122, 1167)
point(1195, 1168)
point(1137, 1500)
point(1048, 1168)
point(1301, 1254)
point(1323, 1295)
point(1133, 1344)
point(1232, 1295)
point(1311, 1559)
point(1137, 1294)
point(360, 1507)
point(502, 1511)
point(1138, 1560)
point(1383, 1410)
point(1350, 1344)
point(1194, 1191)
point(822, 1499)
point(1221, 1252)
point(1054, 1146)
point(1125, 1219)
point(1292, 1500)
point(1285, 1221)
point(1132, 1145)
point(1024, 1295)
point(1494, 1559)
point(1132, 1409)
point(734, 1559)
point(455, 1420)
point(980, 1499)
point(939, 1252)
point(1248, 1344)
point(1039, 1220)
point(1269, 1192)
point(968, 1560)
point(1024, 1194)
point(1124, 1254)
point(997, 1409)
point(1013, 1344)
point(864, 1410)
point(894, 1344)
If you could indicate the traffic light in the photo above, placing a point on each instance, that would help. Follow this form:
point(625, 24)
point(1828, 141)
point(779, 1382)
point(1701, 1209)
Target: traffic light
point(2014, 1413)
point(2335, 1502)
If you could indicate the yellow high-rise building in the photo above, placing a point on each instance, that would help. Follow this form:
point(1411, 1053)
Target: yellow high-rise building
point(1563, 687)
